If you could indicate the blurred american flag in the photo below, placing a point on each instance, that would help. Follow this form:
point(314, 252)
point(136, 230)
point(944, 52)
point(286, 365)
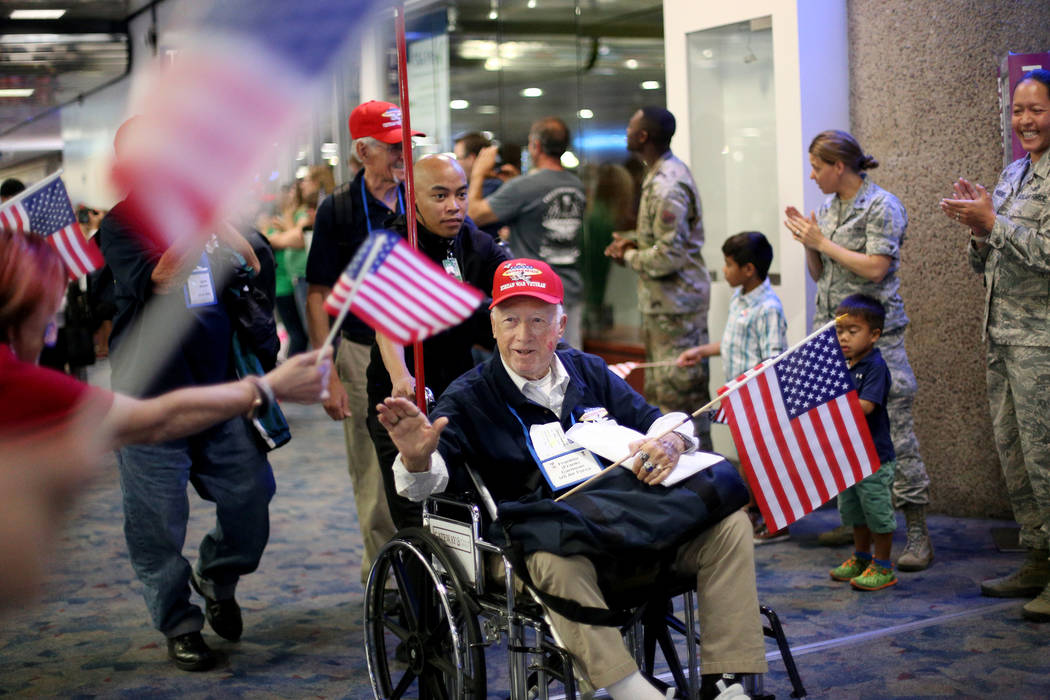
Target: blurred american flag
point(207, 119)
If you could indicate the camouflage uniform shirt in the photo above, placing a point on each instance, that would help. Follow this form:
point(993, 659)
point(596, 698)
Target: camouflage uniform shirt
point(874, 223)
point(672, 278)
point(1016, 260)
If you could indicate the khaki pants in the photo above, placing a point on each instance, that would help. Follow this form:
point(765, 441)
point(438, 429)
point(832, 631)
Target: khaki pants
point(731, 632)
point(373, 514)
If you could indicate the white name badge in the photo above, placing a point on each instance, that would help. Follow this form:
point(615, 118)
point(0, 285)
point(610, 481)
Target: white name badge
point(563, 462)
point(451, 266)
point(200, 288)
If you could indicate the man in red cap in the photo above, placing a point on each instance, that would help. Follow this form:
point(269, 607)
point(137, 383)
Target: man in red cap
point(370, 201)
point(507, 419)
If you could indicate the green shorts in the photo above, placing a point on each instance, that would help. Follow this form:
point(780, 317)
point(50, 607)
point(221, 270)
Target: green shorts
point(870, 501)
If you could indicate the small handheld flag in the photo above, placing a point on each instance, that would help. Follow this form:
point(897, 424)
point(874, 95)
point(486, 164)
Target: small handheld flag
point(799, 429)
point(45, 209)
point(399, 292)
point(622, 369)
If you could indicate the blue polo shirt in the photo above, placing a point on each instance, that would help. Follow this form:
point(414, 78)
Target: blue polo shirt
point(872, 377)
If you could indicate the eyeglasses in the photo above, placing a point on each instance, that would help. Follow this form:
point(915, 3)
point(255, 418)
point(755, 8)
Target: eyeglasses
point(395, 148)
point(51, 334)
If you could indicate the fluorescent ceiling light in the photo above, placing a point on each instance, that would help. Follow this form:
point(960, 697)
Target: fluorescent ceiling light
point(16, 92)
point(458, 104)
point(531, 92)
point(487, 109)
point(585, 114)
point(36, 14)
point(651, 85)
point(569, 160)
point(631, 63)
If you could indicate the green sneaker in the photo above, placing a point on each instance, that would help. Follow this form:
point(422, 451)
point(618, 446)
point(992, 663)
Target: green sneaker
point(849, 569)
point(874, 578)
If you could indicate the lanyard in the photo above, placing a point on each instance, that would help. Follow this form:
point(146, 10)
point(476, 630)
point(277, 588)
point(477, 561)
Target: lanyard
point(528, 437)
point(364, 203)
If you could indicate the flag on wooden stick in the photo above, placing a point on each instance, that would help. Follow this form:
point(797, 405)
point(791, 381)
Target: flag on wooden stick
point(622, 369)
point(799, 429)
point(399, 292)
point(45, 209)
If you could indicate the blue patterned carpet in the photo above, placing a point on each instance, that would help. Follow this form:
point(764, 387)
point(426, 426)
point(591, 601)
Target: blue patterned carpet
point(931, 636)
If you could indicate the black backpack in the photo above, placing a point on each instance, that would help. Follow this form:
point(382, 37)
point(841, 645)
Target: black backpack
point(250, 303)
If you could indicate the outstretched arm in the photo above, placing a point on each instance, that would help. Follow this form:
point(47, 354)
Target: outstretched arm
point(183, 412)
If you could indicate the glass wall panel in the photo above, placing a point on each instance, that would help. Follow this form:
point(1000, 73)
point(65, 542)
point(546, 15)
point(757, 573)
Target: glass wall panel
point(733, 127)
point(591, 63)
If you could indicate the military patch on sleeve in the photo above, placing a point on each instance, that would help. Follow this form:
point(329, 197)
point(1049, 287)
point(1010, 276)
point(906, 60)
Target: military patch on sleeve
point(667, 216)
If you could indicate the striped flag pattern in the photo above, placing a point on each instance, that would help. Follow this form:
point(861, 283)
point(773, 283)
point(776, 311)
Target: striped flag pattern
point(207, 118)
point(622, 369)
point(45, 209)
point(719, 415)
point(799, 429)
point(401, 294)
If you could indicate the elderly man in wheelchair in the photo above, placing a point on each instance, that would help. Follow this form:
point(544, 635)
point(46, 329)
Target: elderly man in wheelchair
point(507, 420)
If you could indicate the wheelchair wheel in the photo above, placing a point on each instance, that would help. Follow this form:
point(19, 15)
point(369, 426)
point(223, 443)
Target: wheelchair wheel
point(422, 638)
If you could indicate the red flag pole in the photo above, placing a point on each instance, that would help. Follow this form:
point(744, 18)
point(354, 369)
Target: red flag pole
point(410, 185)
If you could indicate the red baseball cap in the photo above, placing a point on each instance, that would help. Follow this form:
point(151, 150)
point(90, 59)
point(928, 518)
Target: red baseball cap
point(380, 120)
point(526, 278)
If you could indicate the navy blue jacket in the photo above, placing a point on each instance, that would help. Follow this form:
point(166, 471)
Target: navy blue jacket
point(484, 433)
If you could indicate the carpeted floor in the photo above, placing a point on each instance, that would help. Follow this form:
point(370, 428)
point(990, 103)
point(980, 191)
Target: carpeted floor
point(931, 636)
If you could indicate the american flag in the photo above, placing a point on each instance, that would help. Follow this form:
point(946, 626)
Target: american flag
point(719, 415)
point(45, 209)
point(209, 116)
point(401, 293)
point(799, 429)
point(622, 369)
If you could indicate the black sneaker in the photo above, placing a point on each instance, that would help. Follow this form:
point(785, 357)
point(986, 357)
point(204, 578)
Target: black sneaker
point(224, 615)
point(190, 653)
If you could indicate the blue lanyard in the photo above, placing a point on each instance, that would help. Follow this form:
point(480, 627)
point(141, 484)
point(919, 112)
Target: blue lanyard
point(364, 203)
point(528, 437)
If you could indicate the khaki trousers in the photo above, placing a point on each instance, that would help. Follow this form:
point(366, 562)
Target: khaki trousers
point(731, 632)
point(373, 514)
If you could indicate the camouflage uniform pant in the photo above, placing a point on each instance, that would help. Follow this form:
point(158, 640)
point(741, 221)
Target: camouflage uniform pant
point(677, 388)
point(911, 485)
point(1018, 377)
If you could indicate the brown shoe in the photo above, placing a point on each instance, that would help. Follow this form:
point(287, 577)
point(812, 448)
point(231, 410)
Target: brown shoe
point(1038, 610)
point(1030, 580)
point(843, 534)
point(918, 552)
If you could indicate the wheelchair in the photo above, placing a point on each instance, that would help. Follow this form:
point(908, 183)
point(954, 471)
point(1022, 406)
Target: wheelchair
point(434, 615)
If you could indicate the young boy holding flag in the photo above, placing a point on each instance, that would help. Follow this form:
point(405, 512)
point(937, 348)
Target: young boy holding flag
point(867, 506)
